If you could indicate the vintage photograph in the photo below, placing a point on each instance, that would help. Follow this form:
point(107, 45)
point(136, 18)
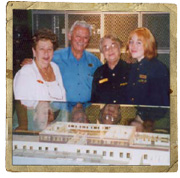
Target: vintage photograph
point(92, 87)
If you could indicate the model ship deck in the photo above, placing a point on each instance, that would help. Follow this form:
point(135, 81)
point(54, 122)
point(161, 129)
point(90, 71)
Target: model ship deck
point(115, 144)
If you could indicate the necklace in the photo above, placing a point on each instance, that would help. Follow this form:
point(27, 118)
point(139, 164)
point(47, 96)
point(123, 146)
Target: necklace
point(44, 72)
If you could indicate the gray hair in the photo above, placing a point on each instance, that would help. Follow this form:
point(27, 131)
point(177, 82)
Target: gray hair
point(111, 37)
point(82, 24)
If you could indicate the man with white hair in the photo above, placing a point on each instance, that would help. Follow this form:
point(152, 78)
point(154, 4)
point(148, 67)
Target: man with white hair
point(77, 65)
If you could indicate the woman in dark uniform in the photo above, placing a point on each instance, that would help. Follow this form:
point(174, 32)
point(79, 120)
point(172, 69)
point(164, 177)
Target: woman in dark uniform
point(110, 80)
point(149, 79)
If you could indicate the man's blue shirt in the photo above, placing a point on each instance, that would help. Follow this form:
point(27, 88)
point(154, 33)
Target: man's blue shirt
point(77, 74)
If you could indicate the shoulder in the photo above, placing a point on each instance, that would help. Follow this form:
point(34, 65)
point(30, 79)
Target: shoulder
point(157, 67)
point(100, 70)
point(60, 51)
point(25, 75)
point(60, 54)
point(124, 63)
point(54, 65)
point(56, 69)
point(157, 64)
point(26, 69)
point(123, 66)
point(91, 56)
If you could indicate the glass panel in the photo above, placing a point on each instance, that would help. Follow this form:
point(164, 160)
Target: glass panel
point(54, 135)
point(38, 118)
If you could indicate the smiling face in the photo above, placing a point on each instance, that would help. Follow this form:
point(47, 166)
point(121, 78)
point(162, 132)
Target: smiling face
point(79, 115)
point(111, 114)
point(136, 48)
point(43, 52)
point(111, 51)
point(79, 39)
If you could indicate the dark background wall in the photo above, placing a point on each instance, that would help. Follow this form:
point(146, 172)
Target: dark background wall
point(22, 32)
point(26, 22)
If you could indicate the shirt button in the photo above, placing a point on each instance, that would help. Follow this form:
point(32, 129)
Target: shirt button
point(114, 101)
point(113, 74)
point(132, 99)
point(134, 84)
point(137, 68)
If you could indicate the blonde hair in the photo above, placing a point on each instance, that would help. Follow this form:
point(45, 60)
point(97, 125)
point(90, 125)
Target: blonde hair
point(148, 40)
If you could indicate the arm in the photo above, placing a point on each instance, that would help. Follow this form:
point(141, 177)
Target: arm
point(24, 87)
point(165, 88)
point(94, 97)
point(22, 116)
point(26, 61)
point(160, 87)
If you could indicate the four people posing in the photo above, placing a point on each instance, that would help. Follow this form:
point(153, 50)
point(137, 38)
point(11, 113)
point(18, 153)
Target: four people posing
point(145, 82)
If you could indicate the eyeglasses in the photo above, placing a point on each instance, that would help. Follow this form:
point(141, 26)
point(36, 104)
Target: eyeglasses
point(108, 117)
point(112, 46)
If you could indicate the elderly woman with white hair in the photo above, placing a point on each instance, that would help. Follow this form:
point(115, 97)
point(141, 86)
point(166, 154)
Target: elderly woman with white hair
point(111, 79)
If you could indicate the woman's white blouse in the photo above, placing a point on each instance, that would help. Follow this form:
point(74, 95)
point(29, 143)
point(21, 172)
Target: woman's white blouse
point(30, 87)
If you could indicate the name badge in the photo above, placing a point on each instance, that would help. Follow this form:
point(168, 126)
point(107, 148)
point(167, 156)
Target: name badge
point(90, 65)
point(103, 80)
point(40, 81)
point(142, 81)
point(123, 84)
point(143, 76)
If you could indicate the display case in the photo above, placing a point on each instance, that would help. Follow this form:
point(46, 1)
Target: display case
point(93, 134)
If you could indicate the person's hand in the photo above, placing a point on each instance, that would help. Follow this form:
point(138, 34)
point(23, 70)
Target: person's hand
point(138, 119)
point(26, 61)
point(21, 128)
point(50, 116)
point(139, 126)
